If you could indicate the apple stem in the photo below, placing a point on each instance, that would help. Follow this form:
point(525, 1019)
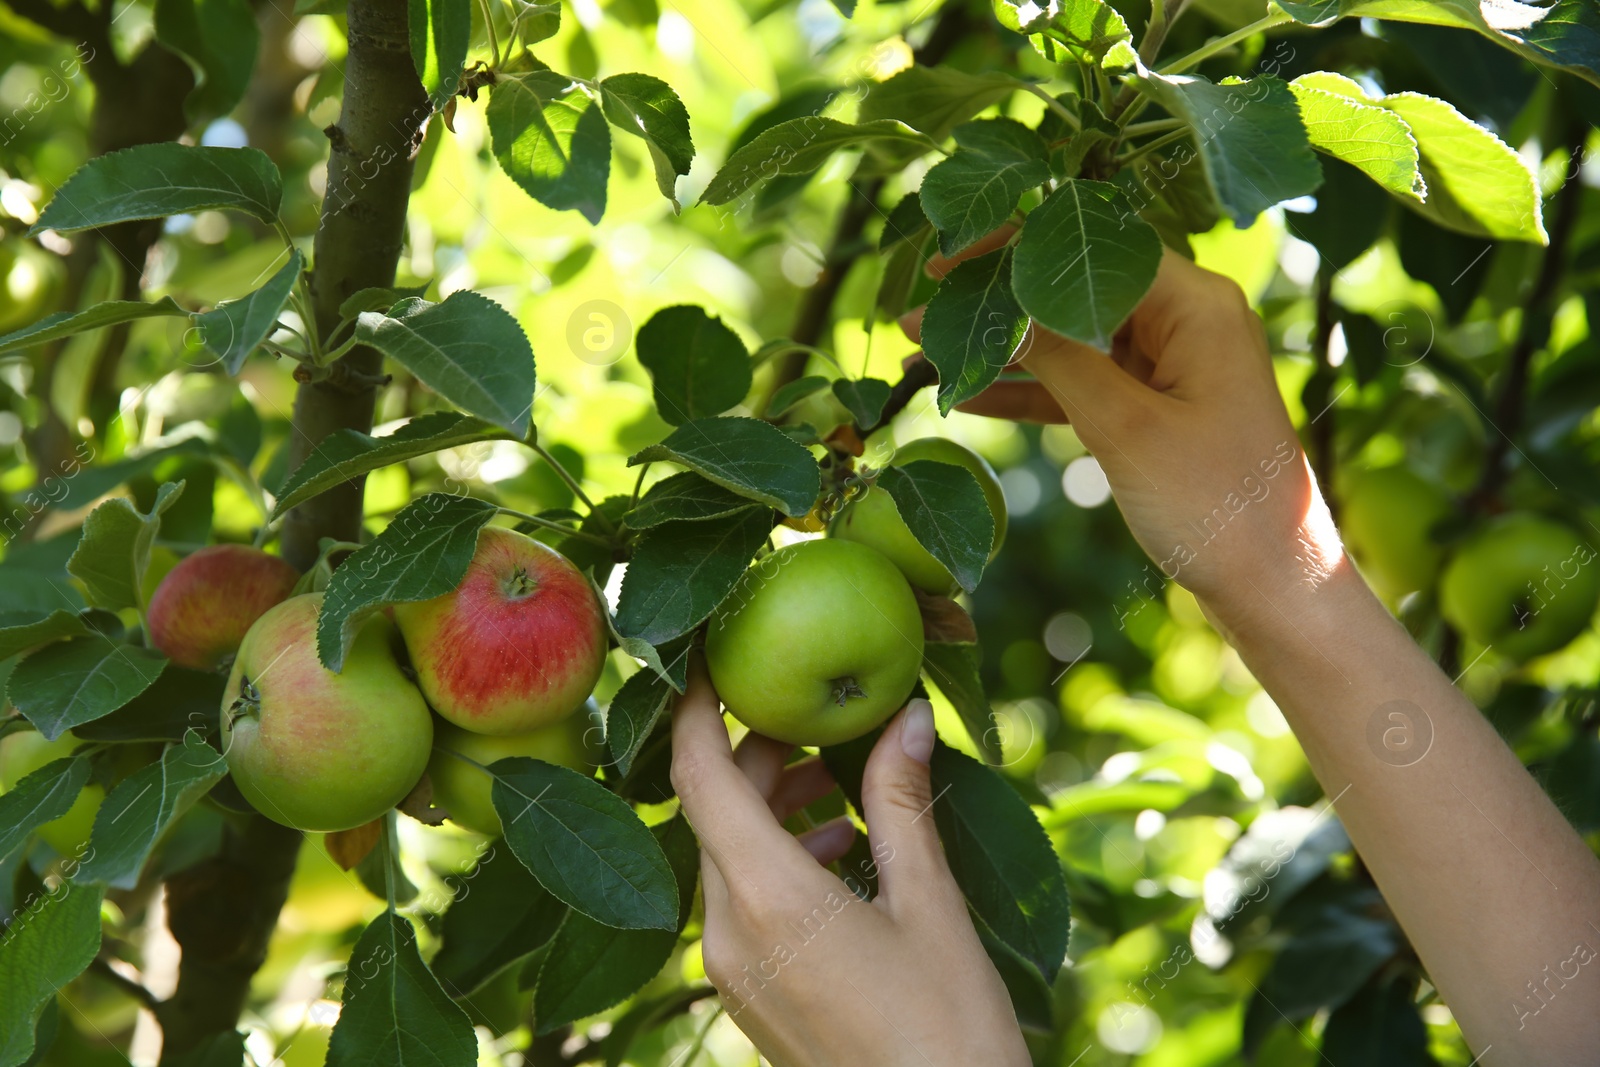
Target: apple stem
point(844, 688)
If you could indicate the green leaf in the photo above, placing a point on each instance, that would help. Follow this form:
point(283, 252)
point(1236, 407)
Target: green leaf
point(681, 571)
point(24, 630)
point(51, 941)
point(220, 40)
point(935, 100)
point(979, 186)
point(1084, 261)
point(93, 482)
point(66, 323)
point(421, 554)
point(468, 349)
point(346, 455)
point(237, 328)
point(698, 366)
point(1476, 183)
point(152, 181)
point(791, 393)
point(79, 680)
point(1351, 213)
point(863, 397)
point(1565, 33)
point(1001, 859)
point(633, 714)
point(944, 507)
point(1088, 26)
point(1366, 135)
point(953, 670)
point(1336, 940)
point(800, 146)
point(906, 221)
point(114, 552)
point(753, 458)
point(1252, 142)
point(647, 108)
point(440, 33)
point(535, 22)
point(179, 701)
point(551, 138)
point(143, 805)
point(684, 497)
point(591, 967)
point(670, 662)
point(377, 298)
point(40, 797)
point(498, 915)
point(585, 845)
point(973, 326)
point(394, 1011)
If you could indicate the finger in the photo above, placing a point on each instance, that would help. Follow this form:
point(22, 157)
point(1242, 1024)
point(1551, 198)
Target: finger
point(801, 784)
point(911, 323)
point(898, 800)
point(830, 841)
point(1018, 400)
point(728, 813)
point(762, 759)
point(938, 266)
point(1088, 386)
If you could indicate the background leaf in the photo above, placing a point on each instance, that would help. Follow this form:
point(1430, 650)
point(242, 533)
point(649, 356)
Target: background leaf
point(57, 940)
point(800, 146)
point(46, 794)
point(79, 680)
point(66, 323)
point(235, 329)
point(551, 138)
point(114, 551)
point(440, 33)
point(220, 40)
point(499, 915)
point(647, 108)
point(750, 457)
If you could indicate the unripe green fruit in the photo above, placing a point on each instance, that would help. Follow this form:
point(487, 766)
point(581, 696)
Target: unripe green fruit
point(1523, 586)
point(818, 643)
point(466, 792)
point(1385, 519)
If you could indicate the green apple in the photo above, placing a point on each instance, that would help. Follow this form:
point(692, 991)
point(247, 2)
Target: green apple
point(464, 791)
point(874, 519)
point(1524, 585)
point(23, 753)
point(818, 643)
point(1385, 516)
point(313, 749)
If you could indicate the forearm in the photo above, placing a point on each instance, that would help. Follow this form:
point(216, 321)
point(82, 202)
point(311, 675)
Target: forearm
point(1499, 895)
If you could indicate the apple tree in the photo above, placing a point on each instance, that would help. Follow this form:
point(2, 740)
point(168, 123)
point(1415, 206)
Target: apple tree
point(286, 279)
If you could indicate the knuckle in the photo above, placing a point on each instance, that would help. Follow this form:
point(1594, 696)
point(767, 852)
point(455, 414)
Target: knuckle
point(687, 773)
point(720, 959)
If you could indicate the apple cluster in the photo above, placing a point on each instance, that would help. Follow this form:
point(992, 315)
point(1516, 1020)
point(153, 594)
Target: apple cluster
point(821, 641)
point(498, 667)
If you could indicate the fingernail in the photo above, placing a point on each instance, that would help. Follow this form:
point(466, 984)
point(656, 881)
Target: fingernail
point(916, 731)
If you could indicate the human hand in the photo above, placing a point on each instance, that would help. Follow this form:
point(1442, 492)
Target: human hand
point(810, 972)
point(1186, 420)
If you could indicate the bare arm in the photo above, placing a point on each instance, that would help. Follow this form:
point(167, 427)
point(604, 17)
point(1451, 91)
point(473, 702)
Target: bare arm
point(1492, 885)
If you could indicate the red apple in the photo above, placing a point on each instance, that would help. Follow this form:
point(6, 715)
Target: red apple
point(316, 750)
point(517, 646)
point(207, 603)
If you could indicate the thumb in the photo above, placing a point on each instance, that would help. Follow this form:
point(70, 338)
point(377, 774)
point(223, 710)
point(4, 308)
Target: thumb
point(897, 795)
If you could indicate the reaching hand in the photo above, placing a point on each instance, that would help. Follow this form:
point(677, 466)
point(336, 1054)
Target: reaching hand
point(1186, 421)
point(812, 973)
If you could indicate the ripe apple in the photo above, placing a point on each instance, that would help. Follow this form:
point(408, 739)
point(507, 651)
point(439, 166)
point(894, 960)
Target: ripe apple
point(518, 645)
point(874, 520)
point(205, 605)
point(316, 750)
point(1524, 585)
point(464, 791)
point(23, 753)
point(1385, 517)
point(818, 643)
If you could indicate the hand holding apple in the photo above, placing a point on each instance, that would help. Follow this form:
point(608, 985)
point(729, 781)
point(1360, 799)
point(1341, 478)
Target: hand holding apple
point(518, 645)
point(316, 750)
point(207, 602)
point(818, 643)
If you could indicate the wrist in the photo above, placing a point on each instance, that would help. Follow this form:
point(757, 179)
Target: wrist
point(1315, 604)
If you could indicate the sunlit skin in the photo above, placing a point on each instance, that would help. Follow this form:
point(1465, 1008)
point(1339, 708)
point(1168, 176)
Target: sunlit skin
point(207, 603)
point(317, 750)
point(1490, 882)
point(518, 645)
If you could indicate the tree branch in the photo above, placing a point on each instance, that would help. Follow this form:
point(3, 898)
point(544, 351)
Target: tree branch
point(918, 373)
point(102, 967)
